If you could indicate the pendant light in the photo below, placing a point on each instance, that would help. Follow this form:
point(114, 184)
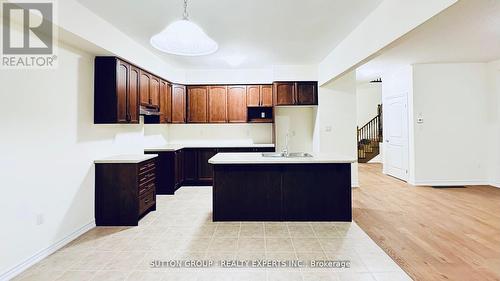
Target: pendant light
point(184, 38)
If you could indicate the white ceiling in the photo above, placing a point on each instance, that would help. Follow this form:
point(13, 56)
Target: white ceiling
point(468, 31)
point(250, 33)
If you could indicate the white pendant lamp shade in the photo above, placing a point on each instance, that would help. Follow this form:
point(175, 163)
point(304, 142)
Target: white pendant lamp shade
point(184, 38)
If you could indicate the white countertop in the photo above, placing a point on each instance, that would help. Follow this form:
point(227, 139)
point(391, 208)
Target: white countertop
point(257, 158)
point(118, 159)
point(177, 146)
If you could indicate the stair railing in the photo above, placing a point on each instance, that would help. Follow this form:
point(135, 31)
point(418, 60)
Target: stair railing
point(370, 134)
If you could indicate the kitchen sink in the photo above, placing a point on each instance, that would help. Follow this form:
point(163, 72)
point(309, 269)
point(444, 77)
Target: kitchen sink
point(273, 154)
point(299, 154)
point(290, 155)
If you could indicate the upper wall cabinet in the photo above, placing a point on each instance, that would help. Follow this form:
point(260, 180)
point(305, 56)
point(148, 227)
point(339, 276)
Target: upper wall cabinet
point(217, 104)
point(178, 103)
point(165, 102)
point(154, 92)
point(307, 93)
point(237, 104)
point(284, 93)
point(266, 95)
point(116, 91)
point(259, 95)
point(149, 90)
point(296, 93)
point(197, 104)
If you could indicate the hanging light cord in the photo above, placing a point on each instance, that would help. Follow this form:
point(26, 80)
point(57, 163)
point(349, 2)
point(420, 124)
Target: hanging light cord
point(185, 15)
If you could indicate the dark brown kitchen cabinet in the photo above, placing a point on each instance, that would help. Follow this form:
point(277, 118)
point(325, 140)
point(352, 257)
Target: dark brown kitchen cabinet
point(165, 102)
point(284, 93)
point(149, 90)
point(124, 192)
point(253, 95)
point(179, 168)
point(259, 96)
point(144, 85)
point(296, 93)
point(133, 97)
point(197, 104)
point(307, 93)
point(115, 91)
point(154, 92)
point(217, 104)
point(266, 95)
point(205, 173)
point(169, 171)
point(237, 104)
point(178, 103)
point(190, 165)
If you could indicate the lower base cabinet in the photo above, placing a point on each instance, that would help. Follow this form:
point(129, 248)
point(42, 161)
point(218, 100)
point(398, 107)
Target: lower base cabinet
point(189, 166)
point(124, 192)
point(282, 192)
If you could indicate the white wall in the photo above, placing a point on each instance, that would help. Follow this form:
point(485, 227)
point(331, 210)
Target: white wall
point(47, 148)
point(494, 86)
point(453, 143)
point(336, 131)
point(252, 76)
point(298, 122)
point(229, 76)
point(368, 97)
point(241, 133)
point(389, 21)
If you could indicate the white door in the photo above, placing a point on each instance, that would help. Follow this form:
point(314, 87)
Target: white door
point(395, 118)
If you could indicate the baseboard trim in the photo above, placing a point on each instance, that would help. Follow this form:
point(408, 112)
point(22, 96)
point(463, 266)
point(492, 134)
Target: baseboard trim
point(496, 184)
point(355, 184)
point(451, 182)
point(16, 270)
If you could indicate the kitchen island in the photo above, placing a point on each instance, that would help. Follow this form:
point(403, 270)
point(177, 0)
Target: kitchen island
point(251, 187)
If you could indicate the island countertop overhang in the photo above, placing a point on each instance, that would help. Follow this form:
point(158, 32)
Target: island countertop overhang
point(257, 158)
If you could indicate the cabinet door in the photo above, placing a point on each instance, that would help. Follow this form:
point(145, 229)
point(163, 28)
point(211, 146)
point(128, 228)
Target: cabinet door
point(237, 104)
point(266, 95)
point(179, 168)
point(284, 93)
point(154, 92)
point(164, 105)
point(217, 98)
point(168, 111)
point(253, 95)
point(205, 171)
point(121, 91)
point(144, 88)
point(197, 110)
point(133, 95)
point(190, 167)
point(178, 104)
point(307, 93)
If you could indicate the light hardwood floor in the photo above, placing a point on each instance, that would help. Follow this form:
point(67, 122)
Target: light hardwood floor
point(433, 234)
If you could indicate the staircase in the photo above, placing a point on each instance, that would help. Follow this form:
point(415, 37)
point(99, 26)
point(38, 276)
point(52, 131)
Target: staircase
point(369, 137)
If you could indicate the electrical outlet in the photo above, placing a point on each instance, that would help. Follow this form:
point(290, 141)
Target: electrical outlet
point(328, 129)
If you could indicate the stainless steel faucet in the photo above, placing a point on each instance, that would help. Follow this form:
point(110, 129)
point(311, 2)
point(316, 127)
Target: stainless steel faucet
point(285, 150)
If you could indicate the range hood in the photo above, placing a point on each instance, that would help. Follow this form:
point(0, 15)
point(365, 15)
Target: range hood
point(148, 111)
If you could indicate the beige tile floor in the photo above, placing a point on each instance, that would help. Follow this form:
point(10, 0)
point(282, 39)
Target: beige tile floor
point(182, 229)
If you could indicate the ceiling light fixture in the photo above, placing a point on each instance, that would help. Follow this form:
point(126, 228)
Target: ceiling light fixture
point(184, 38)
